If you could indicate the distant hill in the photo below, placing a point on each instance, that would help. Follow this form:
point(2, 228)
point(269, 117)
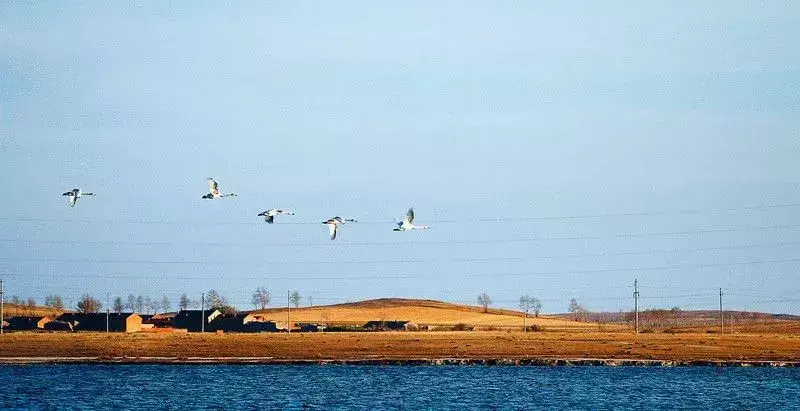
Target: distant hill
point(422, 312)
point(13, 310)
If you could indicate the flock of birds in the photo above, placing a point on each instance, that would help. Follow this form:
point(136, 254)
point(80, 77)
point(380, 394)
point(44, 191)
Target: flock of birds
point(333, 224)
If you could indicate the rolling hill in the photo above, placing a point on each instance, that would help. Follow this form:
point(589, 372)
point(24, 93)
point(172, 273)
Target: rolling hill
point(422, 312)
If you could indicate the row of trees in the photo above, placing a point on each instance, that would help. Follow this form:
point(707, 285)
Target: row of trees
point(261, 298)
point(526, 303)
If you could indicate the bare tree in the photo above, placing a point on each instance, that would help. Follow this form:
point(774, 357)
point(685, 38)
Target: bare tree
point(89, 304)
point(130, 303)
point(166, 304)
point(184, 302)
point(484, 301)
point(577, 310)
point(139, 304)
point(55, 303)
point(261, 298)
point(294, 298)
point(30, 304)
point(118, 306)
point(217, 301)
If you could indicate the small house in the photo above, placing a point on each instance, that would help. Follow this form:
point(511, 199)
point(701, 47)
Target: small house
point(165, 320)
point(385, 325)
point(28, 323)
point(113, 322)
point(58, 326)
point(311, 327)
point(195, 320)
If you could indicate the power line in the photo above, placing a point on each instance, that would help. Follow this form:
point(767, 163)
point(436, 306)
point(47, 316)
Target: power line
point(398, 261)
point(395, 243)
point(433, 221)
point(408, 276)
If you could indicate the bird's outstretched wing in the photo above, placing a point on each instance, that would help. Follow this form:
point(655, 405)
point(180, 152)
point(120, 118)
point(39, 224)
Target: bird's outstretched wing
point(332, 229)
point(213, 187)
point(269, 219)
point(410, 215)
point(72, 200)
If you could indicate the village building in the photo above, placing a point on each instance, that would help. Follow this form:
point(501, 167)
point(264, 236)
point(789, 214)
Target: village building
point(28, 323)
point(58, 326)
point(243, 323)
point(113, 322)
point(385, 325)
point(164, 320)
point(311, 327)
point(195, 320)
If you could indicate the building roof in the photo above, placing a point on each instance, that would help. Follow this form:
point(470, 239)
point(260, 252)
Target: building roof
point(97, 321)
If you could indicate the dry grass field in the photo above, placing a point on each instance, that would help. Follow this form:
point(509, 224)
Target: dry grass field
point(498, 336)
point(408, 345)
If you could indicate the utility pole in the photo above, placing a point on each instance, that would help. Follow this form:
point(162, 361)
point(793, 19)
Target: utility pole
point(288, 308)
point(1, 306)
point(636, 303)
point(108, 308)
point(525, 321)
point(203, 313)
point(721, 315)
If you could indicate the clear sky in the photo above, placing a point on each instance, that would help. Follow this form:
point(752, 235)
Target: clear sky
point(662, 139)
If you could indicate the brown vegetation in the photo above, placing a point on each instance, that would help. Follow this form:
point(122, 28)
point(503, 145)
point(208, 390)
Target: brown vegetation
point(408, 345)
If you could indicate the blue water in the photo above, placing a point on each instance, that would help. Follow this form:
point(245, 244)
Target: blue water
point(395, 387)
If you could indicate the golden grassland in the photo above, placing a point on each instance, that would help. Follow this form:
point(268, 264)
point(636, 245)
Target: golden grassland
point(422, 312)
point(498, 336)
point(409, 345)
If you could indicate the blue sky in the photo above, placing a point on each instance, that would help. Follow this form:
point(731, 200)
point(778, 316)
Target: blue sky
point(466, 111)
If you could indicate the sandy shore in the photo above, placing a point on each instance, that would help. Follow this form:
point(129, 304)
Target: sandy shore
point(404, 347)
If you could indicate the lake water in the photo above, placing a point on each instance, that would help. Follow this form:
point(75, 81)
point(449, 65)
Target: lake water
point(395, 387)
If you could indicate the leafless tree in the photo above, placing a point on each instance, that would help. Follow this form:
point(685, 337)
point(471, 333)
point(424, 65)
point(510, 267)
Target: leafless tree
point(295, 298)
point(484, 301)
point(30, 304)
point(166, 304)
point(89, 304)
point(261, 298)
point(184, 302)
point(54, 302)
point(577, 310)
point(118, 306)
point(130, 303)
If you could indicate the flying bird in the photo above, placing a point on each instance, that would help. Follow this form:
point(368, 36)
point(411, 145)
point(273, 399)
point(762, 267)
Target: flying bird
point(335, 222)
point(269, 215)
point(74, 195)
point(408, 223)
point(214, 192)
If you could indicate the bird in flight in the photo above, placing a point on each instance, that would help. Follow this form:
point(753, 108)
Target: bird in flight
point(74, 195)
point(335, 222)
point(408, 223)
point(269, 215)
point(214, 192)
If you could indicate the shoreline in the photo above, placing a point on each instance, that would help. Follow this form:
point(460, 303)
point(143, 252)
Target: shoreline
point(540, 362)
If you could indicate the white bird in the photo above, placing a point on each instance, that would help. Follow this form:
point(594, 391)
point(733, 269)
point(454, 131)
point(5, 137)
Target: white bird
point(335, 222)
point(74, 195)
point(408, 223)
point(214, 192)
point(269, 215)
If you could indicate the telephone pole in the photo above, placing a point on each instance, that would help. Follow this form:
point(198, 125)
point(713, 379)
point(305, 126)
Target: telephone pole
point(636, 303)
point(203, 313)
point(288, 308)
point(1, 306)
point(721, 315)
point(108, 308)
